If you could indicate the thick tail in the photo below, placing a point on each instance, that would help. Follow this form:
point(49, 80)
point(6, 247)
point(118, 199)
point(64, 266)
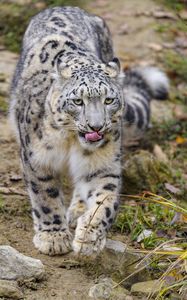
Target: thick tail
point(140, 86)
point(154, 80)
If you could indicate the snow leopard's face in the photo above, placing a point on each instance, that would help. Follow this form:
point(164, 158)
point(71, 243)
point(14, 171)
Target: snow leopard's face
point(90, 102)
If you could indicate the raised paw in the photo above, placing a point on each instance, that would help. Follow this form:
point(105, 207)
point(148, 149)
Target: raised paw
point(74, 212)
point(89, 240)
point(53, 243)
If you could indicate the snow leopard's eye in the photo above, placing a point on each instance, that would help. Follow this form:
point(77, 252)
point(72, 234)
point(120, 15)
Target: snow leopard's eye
point(78, 102)
point(109, 101)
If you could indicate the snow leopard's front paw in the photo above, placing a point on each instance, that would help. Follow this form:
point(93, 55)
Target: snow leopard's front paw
point(89, 239)
point(53, 243)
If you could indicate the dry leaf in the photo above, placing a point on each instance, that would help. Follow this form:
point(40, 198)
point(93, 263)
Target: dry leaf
point(179, 113)
point(185, 265)
point(160, 155)
point(155, 47)
point(12, 191)
point(172, 189)
point(180, 140)
point(178, 219)
point(160, 14)
point(171, 248)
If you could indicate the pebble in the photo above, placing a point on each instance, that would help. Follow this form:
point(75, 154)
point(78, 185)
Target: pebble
point(10, 289)
point(146, 287)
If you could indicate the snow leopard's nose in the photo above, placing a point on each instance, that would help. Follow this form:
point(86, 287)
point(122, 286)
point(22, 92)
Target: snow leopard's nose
point(95, 116)
point(96, 127)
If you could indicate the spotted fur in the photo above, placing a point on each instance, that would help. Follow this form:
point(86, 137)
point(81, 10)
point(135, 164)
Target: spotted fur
point(68, 84)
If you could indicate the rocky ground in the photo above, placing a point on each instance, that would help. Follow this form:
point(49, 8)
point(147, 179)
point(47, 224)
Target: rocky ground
point(144, 32)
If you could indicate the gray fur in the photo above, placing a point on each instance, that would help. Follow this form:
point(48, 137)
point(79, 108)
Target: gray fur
point(68, 86)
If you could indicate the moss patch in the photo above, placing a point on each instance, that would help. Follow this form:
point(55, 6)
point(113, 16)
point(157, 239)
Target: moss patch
point(143, 171)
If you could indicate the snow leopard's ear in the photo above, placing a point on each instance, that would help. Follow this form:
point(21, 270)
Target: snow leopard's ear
point(113, 67)
point(63, 70)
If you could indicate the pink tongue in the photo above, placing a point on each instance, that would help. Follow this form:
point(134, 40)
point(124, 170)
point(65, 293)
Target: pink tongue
point(93, 136)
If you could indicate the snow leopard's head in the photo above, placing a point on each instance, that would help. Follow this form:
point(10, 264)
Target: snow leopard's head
point(86, 97)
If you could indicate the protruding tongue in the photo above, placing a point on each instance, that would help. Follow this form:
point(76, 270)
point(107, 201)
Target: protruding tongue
point(93, 136)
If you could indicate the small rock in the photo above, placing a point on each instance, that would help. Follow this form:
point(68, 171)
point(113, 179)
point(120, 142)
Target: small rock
point(14, 265)
point(53, 293)
point(146, 287)
point(101, 290)
point(10, 289)
point(104, 290)
point(143, 171)
point(144, 234)
point(120, 261)
point(116, 246)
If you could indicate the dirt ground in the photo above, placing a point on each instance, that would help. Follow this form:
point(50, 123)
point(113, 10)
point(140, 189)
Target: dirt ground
point(134, 39)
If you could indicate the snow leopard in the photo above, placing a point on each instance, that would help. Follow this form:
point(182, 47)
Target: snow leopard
point(70, 107)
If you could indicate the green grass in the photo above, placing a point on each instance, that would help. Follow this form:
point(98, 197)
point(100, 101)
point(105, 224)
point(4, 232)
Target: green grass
point(151, 211)
point(176, 65)
point(13, 20)
point(168, 131)
point(133, 219)
point(171, 28)
point(176, 5)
